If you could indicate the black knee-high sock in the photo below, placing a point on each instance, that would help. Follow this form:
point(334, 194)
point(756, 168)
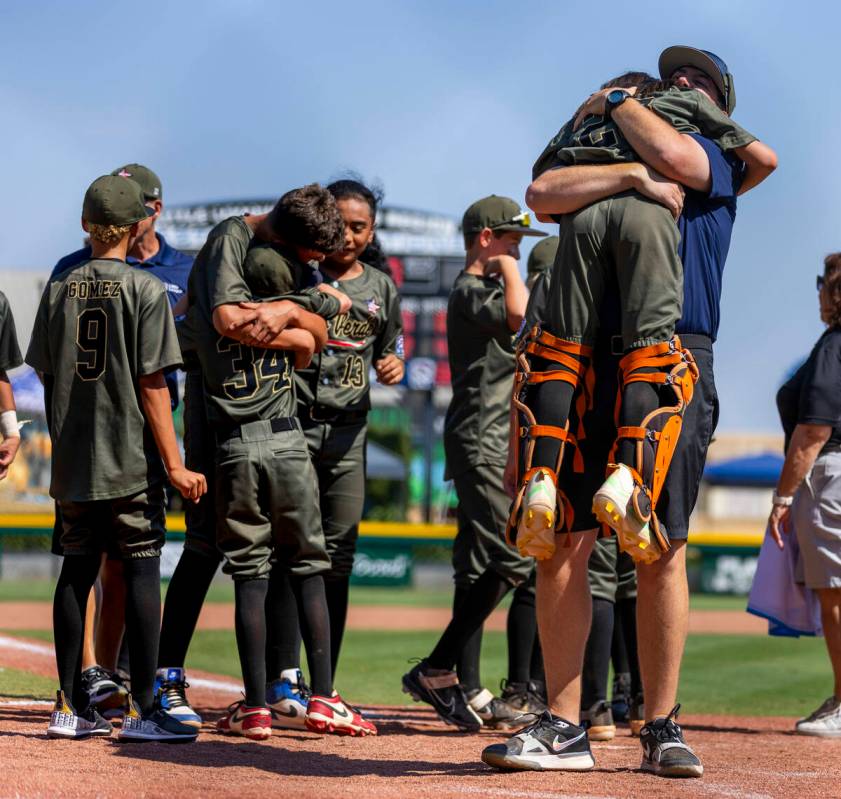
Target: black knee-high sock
point(522, 631)
point(597, 655)
point(468, 662)
point(315, 630)
point(250, 624)
point(626, 618)
point(184, 599)
point(337, 590)
point(283, 630)
point(551, 405)
point(78, 574)
point(638, 400)
point(479, 602)
point(538, 671)
point(143, 614)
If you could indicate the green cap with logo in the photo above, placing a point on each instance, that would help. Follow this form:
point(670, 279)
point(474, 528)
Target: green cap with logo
point(112, 200)
point(149, 182)
point(542, 256)
point(500, 214)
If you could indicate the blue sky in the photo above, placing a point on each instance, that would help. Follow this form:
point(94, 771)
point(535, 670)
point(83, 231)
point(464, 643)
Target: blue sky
point(442, 101)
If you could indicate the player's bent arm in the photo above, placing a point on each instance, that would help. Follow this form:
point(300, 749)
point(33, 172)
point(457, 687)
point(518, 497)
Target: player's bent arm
point(515, 292)
point(571, 188)
point(676, 155)
point(155, 398)
point(296, 340)
point(760, 161)
point(313, 324)
point(8, 426)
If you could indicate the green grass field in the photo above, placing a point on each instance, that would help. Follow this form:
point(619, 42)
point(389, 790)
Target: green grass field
point(727, 674)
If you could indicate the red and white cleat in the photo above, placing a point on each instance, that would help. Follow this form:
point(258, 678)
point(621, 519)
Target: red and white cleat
point(334, 715)
point(252, 722)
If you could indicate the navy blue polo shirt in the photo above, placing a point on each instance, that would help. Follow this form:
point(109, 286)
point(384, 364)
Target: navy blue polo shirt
point(706, 225)
point(170, 266)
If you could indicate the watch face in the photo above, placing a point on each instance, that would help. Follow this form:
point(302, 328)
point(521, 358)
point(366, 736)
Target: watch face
point(616, 96)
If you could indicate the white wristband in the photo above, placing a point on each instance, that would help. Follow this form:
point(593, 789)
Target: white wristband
point(776, 499)
point(9, 427)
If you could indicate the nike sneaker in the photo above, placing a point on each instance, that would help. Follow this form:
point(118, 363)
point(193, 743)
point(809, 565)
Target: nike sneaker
point(496, 714)
point(287, 701)
point(105, 691)
point(524, 697)
point(157, 726)
point(825, 722)
point(333, 715)
point(251, 722)
point(171, 696)
point(65, 722)
point(536, 530)
point(549, 744)
point(441, 689)
point(664, 752)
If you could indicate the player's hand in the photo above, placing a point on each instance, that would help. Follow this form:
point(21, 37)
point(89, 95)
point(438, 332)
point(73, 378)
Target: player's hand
point(659, 188)
point(779, 521)
point(266, 320)
point(500, 265)
point(191, 485)
point(8, 450)
point(344, 300)
point(390, 370)
point(594, 105)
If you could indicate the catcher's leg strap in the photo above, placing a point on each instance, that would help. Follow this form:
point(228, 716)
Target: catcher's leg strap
point(667, 365)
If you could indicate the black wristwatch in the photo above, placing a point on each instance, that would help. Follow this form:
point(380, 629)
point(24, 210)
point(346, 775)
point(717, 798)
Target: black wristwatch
point(613, 100)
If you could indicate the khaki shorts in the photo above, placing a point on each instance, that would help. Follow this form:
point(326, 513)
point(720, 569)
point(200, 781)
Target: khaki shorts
point(130, 527)
point(612, 573)
point(267, 504)
point(816, 514)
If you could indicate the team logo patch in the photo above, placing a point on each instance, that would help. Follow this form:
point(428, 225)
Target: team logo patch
point(373, 307)
point(124, 174)
point(399, 349)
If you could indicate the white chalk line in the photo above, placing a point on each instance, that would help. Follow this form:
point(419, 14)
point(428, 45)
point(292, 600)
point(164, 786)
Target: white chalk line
point(44, 650)
point(519, 794)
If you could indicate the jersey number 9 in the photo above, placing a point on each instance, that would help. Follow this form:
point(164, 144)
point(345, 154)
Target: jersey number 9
point(91, 339)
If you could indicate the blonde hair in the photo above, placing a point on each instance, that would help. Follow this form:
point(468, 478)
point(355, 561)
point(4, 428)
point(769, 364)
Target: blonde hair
point(108, 234)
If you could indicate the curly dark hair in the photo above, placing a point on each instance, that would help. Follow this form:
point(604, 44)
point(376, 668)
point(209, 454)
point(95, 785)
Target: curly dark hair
point(308, 217)
point(832, 286)
point(353, 186)
point(626, 80)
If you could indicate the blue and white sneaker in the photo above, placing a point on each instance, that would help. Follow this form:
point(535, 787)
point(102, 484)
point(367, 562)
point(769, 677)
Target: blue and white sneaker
point(288, 698)
point(157, 726)
point(171, 696)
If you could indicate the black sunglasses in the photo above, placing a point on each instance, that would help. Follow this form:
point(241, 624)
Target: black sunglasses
point(820, 282)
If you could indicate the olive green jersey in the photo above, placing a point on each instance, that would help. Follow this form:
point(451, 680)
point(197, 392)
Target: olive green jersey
point(338, 378)
point(481, 372)
point(100, 326)
point(9, 350)
point(242, 383)
point(272, 272)
point(600, 140)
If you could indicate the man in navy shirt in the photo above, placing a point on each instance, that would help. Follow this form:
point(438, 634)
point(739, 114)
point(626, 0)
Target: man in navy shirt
point(148, 251)
point(694, 179)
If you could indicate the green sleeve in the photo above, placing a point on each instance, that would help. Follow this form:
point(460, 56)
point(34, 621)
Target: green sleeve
point(549, 159)
point(691, 111)
point(484, 306)
point(225, 281)
point(9, 349)
point(157, 340)
point(38, 354)
point(389, 339)
point(325, 305)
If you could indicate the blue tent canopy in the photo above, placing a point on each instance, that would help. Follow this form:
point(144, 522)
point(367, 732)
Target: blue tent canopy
point(752, 471)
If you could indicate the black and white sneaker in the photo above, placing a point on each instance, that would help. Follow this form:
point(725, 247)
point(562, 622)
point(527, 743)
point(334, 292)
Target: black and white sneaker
point(825, 722)
point(105, 691)
point(440, 688)
point(524, 697)
point(157, 726)
point(65, 722)
point(664, 752)
point(496, 713)
point(550, 744)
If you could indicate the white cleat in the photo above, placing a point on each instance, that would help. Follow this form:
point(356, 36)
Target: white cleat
point(536, 530)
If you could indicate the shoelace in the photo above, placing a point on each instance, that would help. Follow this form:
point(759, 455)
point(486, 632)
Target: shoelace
point(304, 691)
point(174, 691)
point(669, 728)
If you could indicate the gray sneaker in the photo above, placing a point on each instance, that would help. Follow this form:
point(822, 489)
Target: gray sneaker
point(496, 714)
point(825, 722)
point(598, 721)
point(664, 752)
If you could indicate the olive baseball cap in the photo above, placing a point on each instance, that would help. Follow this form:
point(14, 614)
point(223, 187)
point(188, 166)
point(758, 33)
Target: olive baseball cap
point(500, 214)
point(542, 256)
point(149, 182)
point(112, 200)
point(673, 58)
